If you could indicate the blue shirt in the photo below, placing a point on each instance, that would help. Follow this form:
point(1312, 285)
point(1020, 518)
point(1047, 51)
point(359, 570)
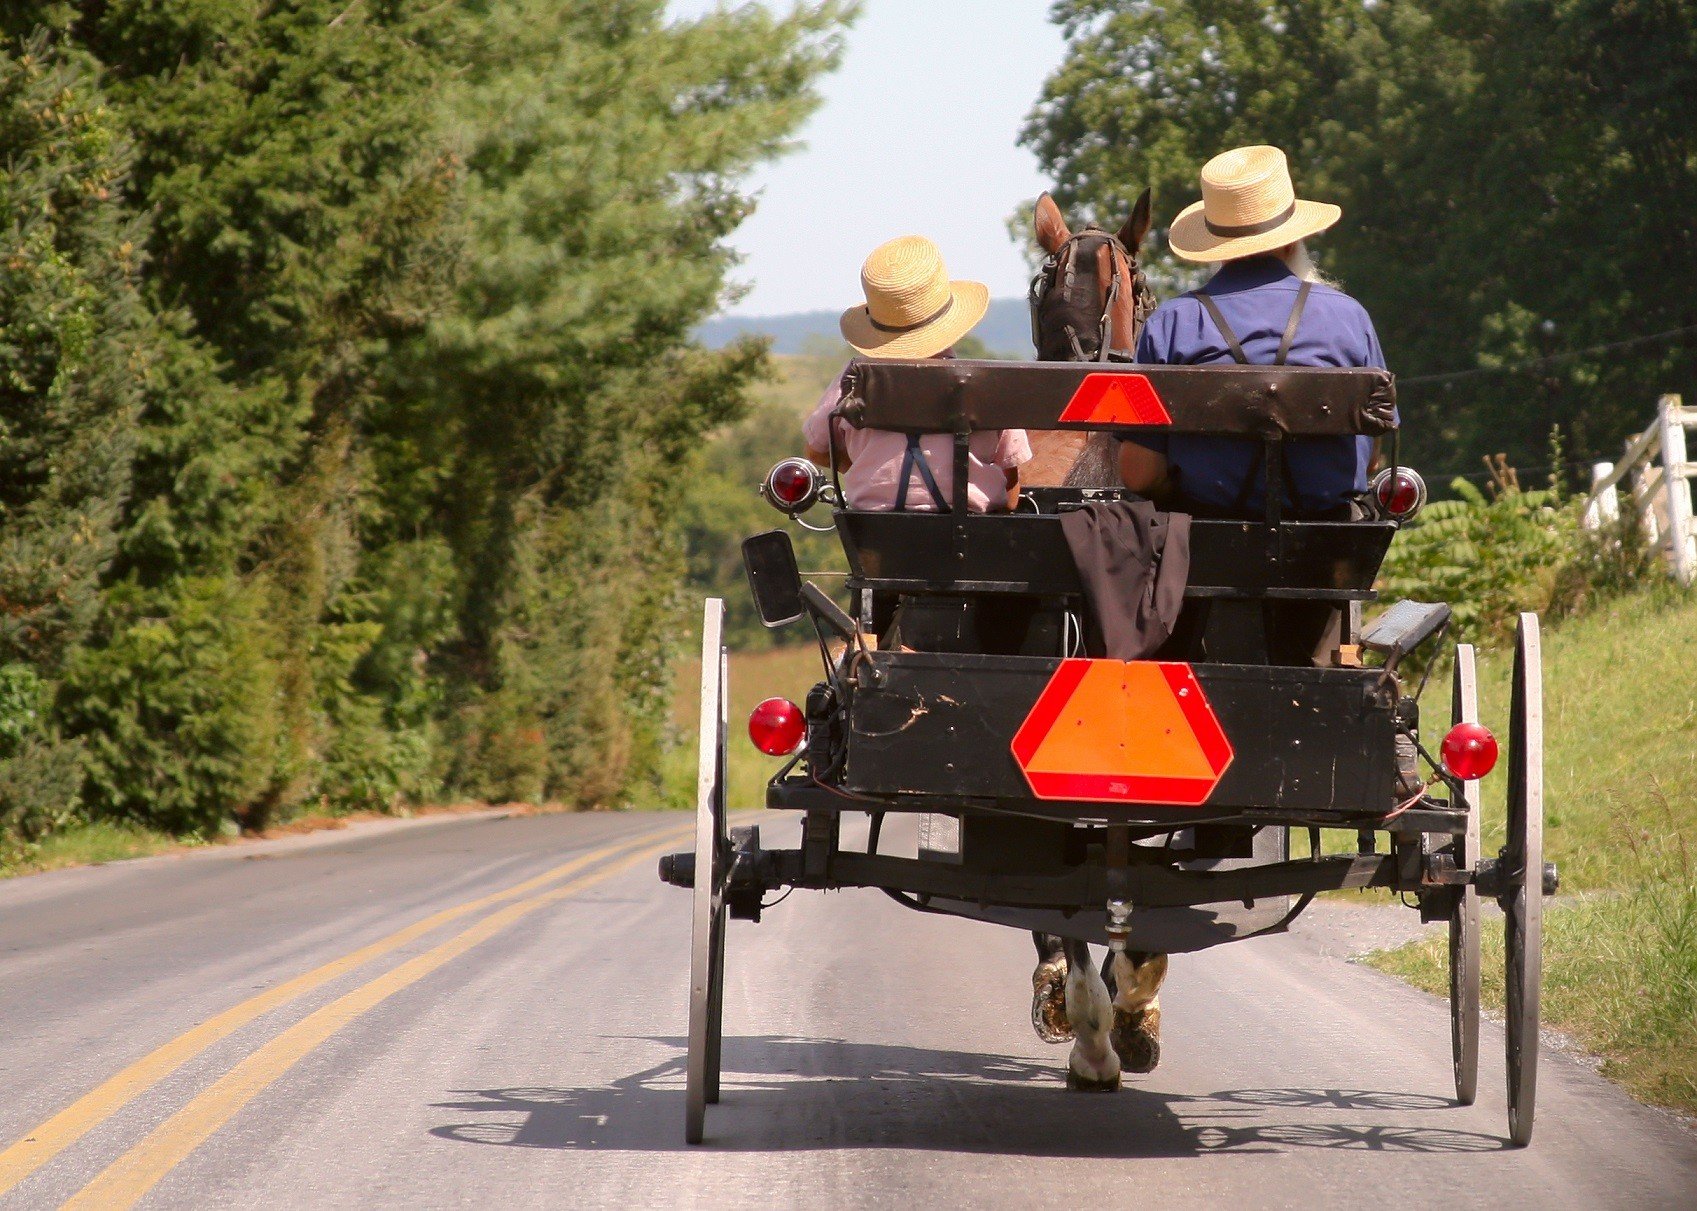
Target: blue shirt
point(1256, 295)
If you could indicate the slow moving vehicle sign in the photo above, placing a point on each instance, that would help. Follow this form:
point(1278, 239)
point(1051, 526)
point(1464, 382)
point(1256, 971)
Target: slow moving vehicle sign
point(1113, 731)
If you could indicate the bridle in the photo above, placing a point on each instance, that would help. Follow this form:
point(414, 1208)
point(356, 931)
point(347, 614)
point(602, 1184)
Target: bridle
point(1049, 277)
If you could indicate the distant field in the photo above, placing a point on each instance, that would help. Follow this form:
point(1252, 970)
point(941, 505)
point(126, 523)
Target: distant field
point(1620, 948)
point(787, 672)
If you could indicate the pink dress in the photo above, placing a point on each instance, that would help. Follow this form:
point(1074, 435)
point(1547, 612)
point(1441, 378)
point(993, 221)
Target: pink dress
point(872, 481)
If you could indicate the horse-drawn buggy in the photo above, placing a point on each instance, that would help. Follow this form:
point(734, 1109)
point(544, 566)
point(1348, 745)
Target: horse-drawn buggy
point(1149, 804)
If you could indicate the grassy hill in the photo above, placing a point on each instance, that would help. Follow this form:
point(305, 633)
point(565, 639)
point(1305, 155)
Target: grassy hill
point(1620, 944)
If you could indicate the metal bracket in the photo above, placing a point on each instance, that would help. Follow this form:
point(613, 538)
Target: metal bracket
point(819, 832)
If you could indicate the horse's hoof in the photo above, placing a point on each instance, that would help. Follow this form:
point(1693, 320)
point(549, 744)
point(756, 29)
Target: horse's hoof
point(1049, 1003)
point(1085, 1084)
point(1136, 1038)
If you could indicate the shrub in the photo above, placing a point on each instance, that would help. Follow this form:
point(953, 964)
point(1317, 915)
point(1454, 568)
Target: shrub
point(177, 702)
point(40, 773)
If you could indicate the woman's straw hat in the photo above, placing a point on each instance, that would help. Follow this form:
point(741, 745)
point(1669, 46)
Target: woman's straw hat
point(1248, 206)
point(912, 309)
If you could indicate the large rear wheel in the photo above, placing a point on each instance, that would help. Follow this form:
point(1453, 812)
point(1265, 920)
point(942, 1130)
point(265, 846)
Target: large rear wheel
point(712, 858)
point(1464, 916)
point(1522, 897)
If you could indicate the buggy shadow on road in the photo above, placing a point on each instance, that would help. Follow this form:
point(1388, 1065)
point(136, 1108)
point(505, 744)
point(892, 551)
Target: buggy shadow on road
point(787, 1092)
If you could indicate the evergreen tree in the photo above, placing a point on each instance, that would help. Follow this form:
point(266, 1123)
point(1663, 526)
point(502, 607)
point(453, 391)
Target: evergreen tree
point(415, 287)
point(74, 338)
point(602, 147)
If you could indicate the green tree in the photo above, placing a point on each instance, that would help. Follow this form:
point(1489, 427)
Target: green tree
point(1515, 177)
point(602, 148)
point(390, 494)
point(74, 335)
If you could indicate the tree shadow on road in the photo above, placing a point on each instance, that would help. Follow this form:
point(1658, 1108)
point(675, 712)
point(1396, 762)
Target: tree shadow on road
point(800, 1093)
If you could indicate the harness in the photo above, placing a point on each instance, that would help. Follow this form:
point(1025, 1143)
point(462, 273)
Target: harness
point(1043, 283)
point(1235, 347)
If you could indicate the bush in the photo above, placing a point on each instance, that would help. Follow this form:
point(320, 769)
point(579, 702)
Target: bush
point(1494, 554)
point(177, 702)
point(40, 774)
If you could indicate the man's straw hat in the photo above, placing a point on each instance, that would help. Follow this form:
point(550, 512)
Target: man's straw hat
point(1248, 206)
point(912, 309)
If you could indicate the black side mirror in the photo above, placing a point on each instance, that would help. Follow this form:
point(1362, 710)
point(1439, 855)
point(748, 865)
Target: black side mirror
point(769, 560)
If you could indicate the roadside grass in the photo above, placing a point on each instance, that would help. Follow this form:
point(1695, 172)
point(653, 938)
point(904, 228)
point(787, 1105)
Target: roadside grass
point(1620, 944)
point(88, 844)
point(786, 672)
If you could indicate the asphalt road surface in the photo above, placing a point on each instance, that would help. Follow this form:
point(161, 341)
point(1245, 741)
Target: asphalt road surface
point(490, 1013)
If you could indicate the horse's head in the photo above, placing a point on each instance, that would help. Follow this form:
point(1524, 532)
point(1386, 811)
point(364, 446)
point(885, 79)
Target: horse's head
point(1089, 300)
point(1088, 303)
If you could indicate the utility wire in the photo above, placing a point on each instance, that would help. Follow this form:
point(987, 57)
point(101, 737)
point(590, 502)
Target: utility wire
point(1451, 375)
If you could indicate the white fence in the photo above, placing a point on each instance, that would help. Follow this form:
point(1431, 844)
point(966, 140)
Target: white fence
point(1657, 476)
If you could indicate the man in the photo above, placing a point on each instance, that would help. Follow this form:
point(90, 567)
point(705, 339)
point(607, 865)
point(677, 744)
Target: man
point(1264, 306)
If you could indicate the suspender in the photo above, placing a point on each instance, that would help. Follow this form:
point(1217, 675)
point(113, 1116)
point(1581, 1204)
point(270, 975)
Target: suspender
point(1236, 349)
point(912, 456)
point(1232, 344)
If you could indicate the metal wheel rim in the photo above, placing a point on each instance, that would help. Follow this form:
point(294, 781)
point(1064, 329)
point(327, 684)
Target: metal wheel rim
point(1464, 917)
point(1523, 900)
point(706, 966)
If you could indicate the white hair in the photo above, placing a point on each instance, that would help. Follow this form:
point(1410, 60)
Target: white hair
point(1295, 256)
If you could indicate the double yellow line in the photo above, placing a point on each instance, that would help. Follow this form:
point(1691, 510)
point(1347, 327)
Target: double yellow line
point(132, 1175)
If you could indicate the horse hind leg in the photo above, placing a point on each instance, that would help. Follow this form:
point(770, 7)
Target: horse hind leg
point(1049, 990)
point(1134, 979)
point(1093, 1066)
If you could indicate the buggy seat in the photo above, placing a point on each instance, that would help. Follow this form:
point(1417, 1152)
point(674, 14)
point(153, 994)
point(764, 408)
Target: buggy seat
point(919, 556)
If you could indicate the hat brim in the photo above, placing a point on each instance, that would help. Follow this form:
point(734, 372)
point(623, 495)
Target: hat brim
point(1190, 238)
point(968, 301)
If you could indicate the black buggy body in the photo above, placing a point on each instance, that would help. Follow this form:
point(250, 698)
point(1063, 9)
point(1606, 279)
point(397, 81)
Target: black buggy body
point(1147, 802)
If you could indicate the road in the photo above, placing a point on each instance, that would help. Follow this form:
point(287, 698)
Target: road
point(489, 1013)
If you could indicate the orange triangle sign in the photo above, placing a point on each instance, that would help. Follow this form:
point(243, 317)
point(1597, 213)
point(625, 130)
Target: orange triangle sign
point(1116, 731)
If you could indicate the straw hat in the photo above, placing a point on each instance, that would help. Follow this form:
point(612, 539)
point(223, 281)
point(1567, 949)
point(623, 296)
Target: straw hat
point(912, 309)
point(1248, 206)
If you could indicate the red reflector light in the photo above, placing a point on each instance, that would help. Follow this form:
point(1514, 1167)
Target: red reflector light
point(1400, 491)
point(792, 484)
point(1469, 751)
point(777, 727)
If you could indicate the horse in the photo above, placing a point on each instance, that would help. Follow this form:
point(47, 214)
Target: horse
point(1089, 302)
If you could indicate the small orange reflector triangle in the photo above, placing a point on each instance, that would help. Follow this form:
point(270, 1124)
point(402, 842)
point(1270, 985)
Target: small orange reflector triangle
point(1116, 731)
point(1116, 399)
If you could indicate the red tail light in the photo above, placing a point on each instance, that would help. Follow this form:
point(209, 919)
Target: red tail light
point(777, 727)
point(1469, 751)
point(1400, 491)
point(792, 485)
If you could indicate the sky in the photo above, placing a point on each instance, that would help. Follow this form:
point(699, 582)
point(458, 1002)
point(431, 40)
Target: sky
point(916, 135)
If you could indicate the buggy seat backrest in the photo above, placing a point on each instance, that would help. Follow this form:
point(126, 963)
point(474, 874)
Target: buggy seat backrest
point(1267, 557)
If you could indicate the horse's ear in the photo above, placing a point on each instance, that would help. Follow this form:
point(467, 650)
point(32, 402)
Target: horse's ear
point(1137, 226)
point(1048, 225)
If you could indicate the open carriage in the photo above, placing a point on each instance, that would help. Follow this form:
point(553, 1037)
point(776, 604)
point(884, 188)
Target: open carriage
point(1146, 804)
